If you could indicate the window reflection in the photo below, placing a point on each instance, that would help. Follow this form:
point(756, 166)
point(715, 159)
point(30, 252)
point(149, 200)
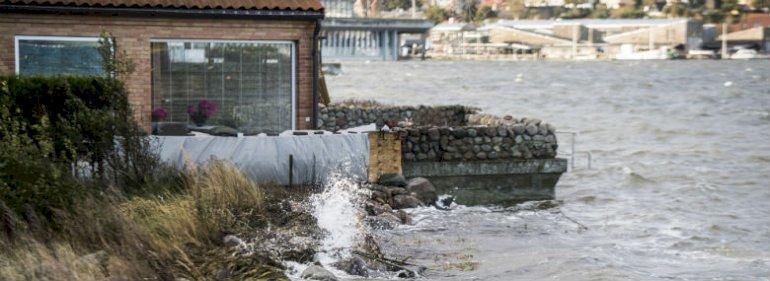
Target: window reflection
point(59, 56)
point(249, 82)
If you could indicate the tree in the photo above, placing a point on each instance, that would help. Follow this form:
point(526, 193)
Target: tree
point(469, 9)
point(484, 12)
point(515, 9)
point(600, 11)
point(627, 12)
point(436, 14)
point(398, 4)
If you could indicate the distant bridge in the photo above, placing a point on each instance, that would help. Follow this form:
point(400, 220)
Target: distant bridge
point(346, 36)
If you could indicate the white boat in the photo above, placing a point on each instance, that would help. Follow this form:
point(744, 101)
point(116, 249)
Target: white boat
point(748, 54)
point(627, 53)
point(701, 54)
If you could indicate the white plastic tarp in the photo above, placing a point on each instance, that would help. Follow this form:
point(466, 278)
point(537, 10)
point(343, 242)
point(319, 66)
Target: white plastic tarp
point(266, 158)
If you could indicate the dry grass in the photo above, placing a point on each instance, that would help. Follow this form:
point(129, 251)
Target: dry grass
point(158, 237)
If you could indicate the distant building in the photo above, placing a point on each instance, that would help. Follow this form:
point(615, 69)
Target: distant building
point(600, 37)
point(544, 3)
point(448, 37)
point(750, 21)
point(756, 38)
point(496, 5)
point(614, 4)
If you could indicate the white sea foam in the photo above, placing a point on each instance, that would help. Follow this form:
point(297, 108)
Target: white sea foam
point(338, 211)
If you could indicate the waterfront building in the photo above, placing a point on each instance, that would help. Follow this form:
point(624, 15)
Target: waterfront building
point(254, 60)
point(757, 38)
point(585, 38)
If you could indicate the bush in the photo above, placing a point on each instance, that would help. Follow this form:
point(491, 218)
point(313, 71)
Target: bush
point(485, 12)
point(436, 14)
point(75, 116)
point(627, 12)
point(49, 128)
point(64, 138)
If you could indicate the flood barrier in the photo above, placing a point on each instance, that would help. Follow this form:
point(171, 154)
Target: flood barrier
point(285, 160)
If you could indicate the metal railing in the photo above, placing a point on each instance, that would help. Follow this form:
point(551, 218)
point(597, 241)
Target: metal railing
point(572, 152)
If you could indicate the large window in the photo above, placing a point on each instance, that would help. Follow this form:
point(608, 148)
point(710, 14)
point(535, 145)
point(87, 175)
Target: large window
point(250, 83)
point(51, 55)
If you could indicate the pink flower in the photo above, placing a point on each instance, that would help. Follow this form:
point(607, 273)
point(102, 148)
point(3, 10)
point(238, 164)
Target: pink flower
point(190, 109)
point(159, 113)
point(207, 108)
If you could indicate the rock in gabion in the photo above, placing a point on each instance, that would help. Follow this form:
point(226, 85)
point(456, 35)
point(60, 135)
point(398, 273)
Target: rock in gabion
point(343, 116)
point(471, 143)
point(448, 133)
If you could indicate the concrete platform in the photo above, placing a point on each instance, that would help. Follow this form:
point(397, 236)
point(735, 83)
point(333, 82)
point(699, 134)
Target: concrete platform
point(492, 182)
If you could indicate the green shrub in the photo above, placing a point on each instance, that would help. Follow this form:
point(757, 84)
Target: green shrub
point(77, 115)
point(62, 138)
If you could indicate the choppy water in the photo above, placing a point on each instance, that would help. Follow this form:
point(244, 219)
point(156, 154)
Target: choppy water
point(679, 188)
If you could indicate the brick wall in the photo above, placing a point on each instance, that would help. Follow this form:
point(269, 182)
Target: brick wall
point(133, 34)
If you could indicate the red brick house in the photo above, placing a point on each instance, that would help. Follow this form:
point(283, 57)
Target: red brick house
point(255, 60)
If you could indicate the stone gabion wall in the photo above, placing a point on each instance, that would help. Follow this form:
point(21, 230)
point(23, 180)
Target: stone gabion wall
point(342, 116)
point(526, 139)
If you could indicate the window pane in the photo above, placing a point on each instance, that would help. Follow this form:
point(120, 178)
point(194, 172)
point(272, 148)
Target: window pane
point(59, 57)
point(249, 82)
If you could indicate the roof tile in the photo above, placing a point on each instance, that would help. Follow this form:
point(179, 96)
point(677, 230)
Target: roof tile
point(302, 5)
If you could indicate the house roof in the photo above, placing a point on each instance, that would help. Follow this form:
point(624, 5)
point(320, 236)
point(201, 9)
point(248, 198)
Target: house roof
point(454, 26)
point(591, 23)
point(758, 33)
point(294, 5)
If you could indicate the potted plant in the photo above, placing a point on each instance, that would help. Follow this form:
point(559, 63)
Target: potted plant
point(199, 115)
point(159, 114)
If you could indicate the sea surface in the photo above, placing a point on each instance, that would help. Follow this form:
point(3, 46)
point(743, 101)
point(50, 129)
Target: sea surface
point(679, 185)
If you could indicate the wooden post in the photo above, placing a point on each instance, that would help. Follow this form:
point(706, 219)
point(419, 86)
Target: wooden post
point(384, 155)
point(291, 170)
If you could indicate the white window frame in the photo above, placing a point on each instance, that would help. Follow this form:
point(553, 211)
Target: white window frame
point(293, 63)
point(17, 38)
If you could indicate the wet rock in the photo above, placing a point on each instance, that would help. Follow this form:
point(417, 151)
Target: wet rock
point(518, 129)
point(403, 201)
point(316, 272)
point(353, 266)
point(393, 191)
point(490, 132)
point(404, 216)
point(501, 131)
point(434, 134)
point(445, 202)
point(380, 196)
point(423, 190)
point(542, 129)
point(376, 208)
point(531, 129)
point(384, 221)
point(459, 133)
point(405, 274)
point(392, 180)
